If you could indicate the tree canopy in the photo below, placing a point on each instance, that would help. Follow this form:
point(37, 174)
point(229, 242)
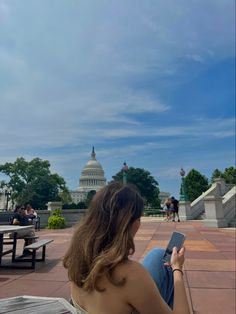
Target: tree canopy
point(216, 174)
point(229, 175)
point(89, 197)
point(32, 182)
point(145, 183)
point(195, 184)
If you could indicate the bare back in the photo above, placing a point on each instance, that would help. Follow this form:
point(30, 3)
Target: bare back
point(112, 300)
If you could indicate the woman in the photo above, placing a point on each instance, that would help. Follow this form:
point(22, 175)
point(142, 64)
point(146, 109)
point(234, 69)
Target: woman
point(103, 278)
point(167, 208)
point(30, 212)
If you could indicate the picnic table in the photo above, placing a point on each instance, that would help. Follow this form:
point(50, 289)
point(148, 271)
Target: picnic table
point(32, 304)
point(4, 229)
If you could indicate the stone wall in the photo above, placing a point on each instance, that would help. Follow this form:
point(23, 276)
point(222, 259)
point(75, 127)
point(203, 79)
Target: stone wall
point(72, 216)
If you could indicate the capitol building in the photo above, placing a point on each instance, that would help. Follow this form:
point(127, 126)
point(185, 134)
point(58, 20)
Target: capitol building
point(92, 179)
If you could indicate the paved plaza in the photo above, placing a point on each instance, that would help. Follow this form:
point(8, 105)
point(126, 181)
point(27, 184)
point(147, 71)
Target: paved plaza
point(209, 267)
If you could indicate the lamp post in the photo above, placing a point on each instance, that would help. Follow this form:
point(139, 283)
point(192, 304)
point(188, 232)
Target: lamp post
point(183, 196)
point(124, 171)
point(7, 193)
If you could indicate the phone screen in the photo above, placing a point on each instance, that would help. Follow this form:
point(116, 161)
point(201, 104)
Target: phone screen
point(177, 239)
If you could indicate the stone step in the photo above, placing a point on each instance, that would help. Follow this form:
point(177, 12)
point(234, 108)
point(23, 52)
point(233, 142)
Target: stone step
point(202, 216)
point(232, 223)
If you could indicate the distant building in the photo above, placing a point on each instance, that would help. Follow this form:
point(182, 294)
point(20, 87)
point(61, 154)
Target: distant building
point(92, 178)
point(163, 196)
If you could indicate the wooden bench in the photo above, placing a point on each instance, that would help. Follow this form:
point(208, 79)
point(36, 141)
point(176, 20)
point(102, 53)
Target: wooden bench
point(29, 239)
point(34, 247)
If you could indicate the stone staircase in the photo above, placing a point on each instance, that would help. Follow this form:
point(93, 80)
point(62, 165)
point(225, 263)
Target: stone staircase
point(216, 206)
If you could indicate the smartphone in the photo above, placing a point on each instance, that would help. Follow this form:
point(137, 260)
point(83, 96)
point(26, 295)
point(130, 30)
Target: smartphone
point(177, 239)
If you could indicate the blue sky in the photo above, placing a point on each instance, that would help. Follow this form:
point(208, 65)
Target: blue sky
point(149, 82)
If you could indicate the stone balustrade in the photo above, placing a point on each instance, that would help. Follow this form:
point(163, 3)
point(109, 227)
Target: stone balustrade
point(217, 204)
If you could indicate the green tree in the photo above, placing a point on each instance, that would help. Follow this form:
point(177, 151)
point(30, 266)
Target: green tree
point(33, 182)
point(145, 183)
point(216, 174)
point(89, 197)
point(230, 175)
point(195, 184)
point(65, 196)
point(81, 205)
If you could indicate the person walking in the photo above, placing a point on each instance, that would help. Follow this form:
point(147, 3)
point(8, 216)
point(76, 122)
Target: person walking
point(175, 208)
point(167, 208)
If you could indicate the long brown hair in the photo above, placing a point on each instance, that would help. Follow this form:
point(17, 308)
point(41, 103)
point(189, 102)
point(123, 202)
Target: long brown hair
point(103, 238)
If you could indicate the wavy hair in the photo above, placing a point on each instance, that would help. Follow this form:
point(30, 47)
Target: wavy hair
point(103, 239)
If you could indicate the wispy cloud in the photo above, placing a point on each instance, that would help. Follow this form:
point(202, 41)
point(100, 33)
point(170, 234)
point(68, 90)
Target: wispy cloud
point(4, 9)
point(84, 73)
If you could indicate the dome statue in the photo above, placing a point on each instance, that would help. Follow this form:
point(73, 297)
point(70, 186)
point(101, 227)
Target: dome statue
point(92, 175)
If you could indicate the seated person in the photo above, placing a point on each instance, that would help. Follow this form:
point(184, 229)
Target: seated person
point(20, 218)
point(30, 212)
point(104, 279)
point(32, 216)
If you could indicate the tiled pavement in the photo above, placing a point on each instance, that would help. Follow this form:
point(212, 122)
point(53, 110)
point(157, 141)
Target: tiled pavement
point(209, 267)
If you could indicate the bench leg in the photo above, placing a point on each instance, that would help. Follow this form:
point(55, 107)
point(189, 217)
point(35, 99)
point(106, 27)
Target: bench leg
point(14, 247)
point(1, 247)
point(44, 253)
point(26, 242)
point(38, 225)
point(33, 259)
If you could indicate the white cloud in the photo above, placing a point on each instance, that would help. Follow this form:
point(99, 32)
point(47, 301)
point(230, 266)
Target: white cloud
point(196, 58)
point(4, 9)
point(79, 73)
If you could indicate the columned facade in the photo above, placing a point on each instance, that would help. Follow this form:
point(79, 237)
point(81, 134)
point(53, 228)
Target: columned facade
point(92, 178)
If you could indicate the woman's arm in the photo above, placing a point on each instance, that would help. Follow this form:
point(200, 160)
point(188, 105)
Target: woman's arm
point(180, 298)
point(15, 221)
point(143, 294)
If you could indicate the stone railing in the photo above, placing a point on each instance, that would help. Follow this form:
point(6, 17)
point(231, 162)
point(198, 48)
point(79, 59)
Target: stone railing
point(228, 187)
point(220, 210)
point(193, 210)
point(197, 206)
point(229, 203)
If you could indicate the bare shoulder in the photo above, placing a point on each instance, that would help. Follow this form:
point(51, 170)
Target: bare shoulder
point(133, 271)
point(141, 291)
point(130, 265)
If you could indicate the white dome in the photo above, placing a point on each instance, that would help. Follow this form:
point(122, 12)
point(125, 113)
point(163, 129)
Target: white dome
point(92, 175)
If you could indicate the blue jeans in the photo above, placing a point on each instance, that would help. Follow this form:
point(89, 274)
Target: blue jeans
point(161, 274)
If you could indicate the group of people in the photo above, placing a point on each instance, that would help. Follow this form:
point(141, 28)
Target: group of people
point(104, 279)
point(171, 207)
point(24, 216)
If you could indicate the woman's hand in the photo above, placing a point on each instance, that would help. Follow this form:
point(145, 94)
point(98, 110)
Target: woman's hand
point(177, 258)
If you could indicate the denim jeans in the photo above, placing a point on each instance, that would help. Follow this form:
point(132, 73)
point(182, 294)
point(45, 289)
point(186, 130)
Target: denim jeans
point(161, 274)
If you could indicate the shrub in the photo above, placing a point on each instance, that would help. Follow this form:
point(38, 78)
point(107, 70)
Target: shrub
point(56, 221)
